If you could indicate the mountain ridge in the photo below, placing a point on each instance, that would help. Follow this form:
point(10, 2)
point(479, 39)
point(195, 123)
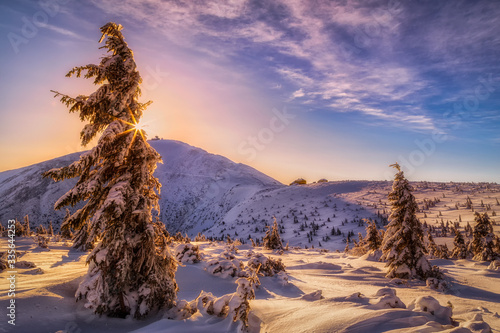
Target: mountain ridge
point(188, 175)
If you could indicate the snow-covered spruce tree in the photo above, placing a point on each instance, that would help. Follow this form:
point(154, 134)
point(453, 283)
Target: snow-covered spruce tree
point(272, 239)
point(373, 240)
point(482, 245)
point(50, 231)
point(430, 245)
point(66, 229)
point(131, 270)
point(26, 226)
point(403, 243)
point(460, 248)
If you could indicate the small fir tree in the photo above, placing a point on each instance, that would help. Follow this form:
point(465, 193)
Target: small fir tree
point(65, 228)
point(19, 229)
point(482, 245)
point(26, 226)
point(373, 238)
point(272, 239)
point(131, 270)
point(50, 231)
point(245, 292)
point(460, 249)
point(403, 244)
point(430, 245)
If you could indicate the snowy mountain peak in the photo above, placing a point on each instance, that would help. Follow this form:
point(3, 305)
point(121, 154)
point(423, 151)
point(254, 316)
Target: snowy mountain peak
point(198, 187)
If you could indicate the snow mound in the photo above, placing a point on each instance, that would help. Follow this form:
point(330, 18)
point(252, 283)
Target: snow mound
point(318, 265)
point(314, 296)
point(477, 325)
point(494, 265)
point(387, 299)
point(431, 305)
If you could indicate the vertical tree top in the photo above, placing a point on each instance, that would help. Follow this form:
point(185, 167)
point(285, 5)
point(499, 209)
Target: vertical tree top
point(396, 166)
point(118, 92)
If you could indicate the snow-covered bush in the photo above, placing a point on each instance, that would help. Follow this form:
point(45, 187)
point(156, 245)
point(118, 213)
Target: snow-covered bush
point(3, 261)
point(224, 268)
point(212, 305)
point(182, 310)
point(25, 264)
point(430, 305)
point(438, 284)
point(386, 299)
point(267, 265)
point(230, 251)
point(43, 242)
point(237, 303)
point(187, 253)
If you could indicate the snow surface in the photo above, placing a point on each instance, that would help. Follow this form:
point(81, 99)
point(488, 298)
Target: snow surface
point(326, 292)
point(323, 290)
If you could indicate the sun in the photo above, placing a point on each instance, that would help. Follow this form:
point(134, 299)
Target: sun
point(139, 126)
point(136, 127)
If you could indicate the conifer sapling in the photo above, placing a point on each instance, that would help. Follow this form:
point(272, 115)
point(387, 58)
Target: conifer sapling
point(272, 239)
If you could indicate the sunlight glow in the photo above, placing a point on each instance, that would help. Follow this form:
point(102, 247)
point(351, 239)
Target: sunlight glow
point(136, 127)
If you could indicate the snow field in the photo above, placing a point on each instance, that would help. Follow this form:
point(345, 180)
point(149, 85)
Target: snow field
point(326, 292)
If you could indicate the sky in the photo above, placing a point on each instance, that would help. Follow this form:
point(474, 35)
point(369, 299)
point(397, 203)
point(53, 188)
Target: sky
point(312, 89)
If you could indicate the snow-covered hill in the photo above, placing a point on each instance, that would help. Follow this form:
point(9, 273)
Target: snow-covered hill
point(209, 193)
point(198, 188)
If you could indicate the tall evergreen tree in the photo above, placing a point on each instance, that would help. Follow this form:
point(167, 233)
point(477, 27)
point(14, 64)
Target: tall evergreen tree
point(403, 243)
point(482, 245)
point(131, 270)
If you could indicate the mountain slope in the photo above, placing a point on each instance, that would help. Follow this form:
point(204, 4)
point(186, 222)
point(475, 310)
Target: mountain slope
point(198, 188)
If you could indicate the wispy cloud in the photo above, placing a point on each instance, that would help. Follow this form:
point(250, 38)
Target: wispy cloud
point(378, 58)
point(63, 31)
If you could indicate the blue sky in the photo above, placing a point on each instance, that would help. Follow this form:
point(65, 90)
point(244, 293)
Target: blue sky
point(313, 89)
